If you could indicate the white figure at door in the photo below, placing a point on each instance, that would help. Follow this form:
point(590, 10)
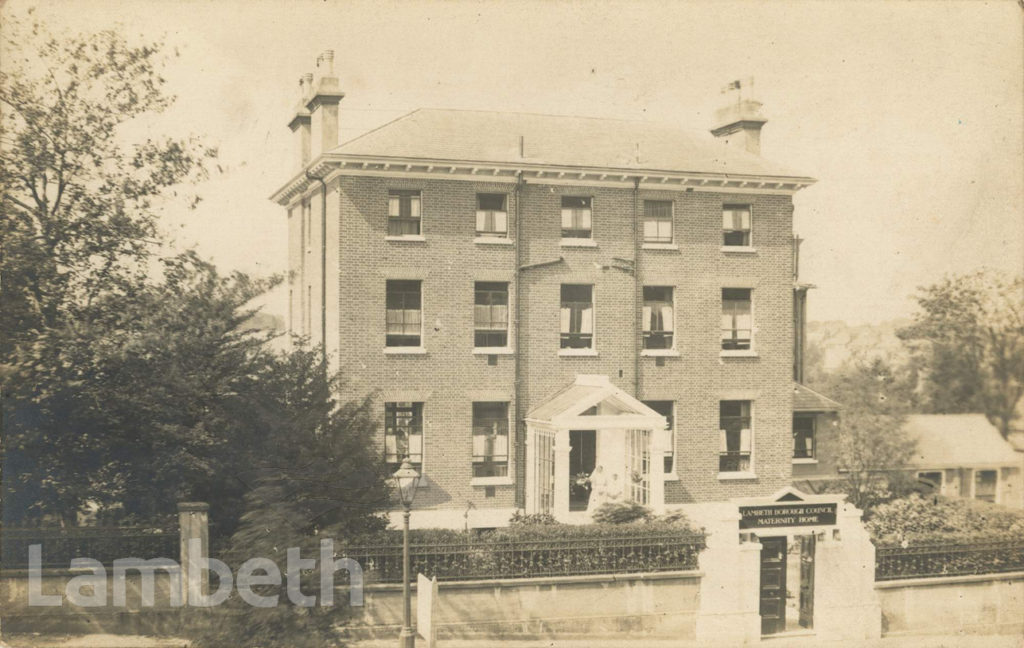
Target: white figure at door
point(598, 489)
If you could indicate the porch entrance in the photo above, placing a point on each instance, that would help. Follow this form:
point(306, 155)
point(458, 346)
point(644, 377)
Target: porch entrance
point(593, 427)
point(787, 584)
point(582, 461)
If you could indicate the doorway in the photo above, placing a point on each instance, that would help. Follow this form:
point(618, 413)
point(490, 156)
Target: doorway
point(787, 584)
point(582, 461)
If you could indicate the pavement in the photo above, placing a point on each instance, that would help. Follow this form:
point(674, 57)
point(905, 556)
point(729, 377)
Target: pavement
point(915, 641)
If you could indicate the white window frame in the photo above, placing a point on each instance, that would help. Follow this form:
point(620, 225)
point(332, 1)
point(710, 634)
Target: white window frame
point(749, 246)
point(494, 481)
point(673, 350)
point(592, 351)
point(659, 245)
point(423, 435)
point(738, 353)
point(503, 350)
point(751, 472)
point(576, 241)
point(387, 225)
point(490, 236)
point(406, 350)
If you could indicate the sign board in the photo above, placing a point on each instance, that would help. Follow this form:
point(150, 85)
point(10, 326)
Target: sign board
point(787, 515)
point(426, 599)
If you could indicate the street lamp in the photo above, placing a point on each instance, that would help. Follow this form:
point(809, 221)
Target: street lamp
point(407, 479)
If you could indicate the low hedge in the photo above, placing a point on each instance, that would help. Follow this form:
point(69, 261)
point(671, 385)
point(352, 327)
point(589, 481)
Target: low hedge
point(917, 520)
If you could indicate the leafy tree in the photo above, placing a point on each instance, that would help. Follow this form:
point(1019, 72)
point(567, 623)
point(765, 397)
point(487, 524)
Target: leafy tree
point(79, 194)
point(872, 446)
point(968, 337)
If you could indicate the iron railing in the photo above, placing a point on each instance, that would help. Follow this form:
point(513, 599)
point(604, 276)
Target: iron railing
point(932, 561)
point(487, 559)
point(105, 544)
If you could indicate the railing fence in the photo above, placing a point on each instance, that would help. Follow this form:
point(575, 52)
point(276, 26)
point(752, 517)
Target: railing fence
point(105, 544)
point(935, 560)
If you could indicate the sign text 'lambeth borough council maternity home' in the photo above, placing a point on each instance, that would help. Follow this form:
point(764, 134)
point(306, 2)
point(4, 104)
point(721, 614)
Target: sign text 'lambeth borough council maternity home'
point(783, 515)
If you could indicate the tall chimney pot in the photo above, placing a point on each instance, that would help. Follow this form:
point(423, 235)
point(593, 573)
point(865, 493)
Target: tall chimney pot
point(739, 124)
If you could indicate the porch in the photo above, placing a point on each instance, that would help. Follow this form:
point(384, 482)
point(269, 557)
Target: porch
point(591, 443)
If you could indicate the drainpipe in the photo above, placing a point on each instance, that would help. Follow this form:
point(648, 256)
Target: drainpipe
point(323, 264)
point(637, 306)
point(520, 495)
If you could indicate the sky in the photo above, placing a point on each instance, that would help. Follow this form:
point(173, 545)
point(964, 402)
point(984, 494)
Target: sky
point(909, 114)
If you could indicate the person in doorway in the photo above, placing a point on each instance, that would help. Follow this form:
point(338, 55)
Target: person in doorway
point(598, 489)
point(614, 489)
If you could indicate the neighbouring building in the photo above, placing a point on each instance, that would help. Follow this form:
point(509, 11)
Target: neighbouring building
point(532, 297)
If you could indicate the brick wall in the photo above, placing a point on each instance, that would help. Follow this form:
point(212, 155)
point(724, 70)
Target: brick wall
point(449, 377)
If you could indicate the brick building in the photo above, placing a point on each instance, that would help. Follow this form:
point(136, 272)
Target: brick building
point(533, 296)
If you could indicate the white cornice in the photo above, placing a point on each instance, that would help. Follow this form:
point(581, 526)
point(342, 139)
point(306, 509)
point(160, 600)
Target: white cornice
point(334, 165)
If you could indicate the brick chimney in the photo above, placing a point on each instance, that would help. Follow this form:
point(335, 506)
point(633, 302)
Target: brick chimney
point(322, 105)
point(739, 124)
point(299, 124)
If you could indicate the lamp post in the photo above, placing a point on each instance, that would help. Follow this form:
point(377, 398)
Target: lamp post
point(407, 479)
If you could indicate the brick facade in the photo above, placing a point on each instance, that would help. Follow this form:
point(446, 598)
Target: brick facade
point(449, 377)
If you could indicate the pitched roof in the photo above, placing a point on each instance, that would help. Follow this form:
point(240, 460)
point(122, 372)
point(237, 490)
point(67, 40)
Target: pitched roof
point(558, 140)
point(958, 440)
point(806, 399)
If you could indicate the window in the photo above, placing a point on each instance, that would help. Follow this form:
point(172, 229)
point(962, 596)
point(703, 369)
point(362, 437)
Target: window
point(658, 317)
point(985, 485)
point(737, 323)
point(490, 439)
point(403, 434)
point(404, 314)
point(403, 213)
point(666, 409)
point(803, 437)
point(657, 221)
point(576, 221)
point(734, 427)
point(932, 478)
point(577, 325)
point(491, 215)
point(490, 315)
point(736, 225)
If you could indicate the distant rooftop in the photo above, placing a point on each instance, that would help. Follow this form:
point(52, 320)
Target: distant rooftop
point(953, 440)
point(500, 137)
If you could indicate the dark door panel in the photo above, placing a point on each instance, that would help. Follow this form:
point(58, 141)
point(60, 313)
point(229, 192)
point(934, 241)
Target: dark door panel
point(773, 585)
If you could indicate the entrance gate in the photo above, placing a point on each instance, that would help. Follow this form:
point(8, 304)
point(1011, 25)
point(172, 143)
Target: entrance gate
point(773, 584)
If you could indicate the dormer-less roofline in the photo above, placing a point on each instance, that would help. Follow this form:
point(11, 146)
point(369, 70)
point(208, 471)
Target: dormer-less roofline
point(334, 164)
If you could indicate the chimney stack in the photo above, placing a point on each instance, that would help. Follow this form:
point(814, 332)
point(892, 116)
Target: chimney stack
point(739, 124)
point(323, 106)
point(315, 123)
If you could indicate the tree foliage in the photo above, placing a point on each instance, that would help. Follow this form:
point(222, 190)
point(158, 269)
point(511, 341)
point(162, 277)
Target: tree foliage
point(872, 446)
point(968, 338)
point(79, 193)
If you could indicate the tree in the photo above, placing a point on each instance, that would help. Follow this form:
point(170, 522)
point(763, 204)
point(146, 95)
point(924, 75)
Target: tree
point(873, 449)
point(968, 338)
point(79, 195)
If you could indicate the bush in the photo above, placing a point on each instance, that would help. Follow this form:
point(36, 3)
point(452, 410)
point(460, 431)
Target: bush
point(519, 519)
point(934, 520)
point(620, 513)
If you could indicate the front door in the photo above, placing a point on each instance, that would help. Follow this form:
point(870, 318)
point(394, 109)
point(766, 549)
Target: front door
point(807, 581)
point(582, 461)
point(773, 585)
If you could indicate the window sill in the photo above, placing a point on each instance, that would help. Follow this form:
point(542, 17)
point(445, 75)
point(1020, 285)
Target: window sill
point(729, 476)
point(659, 246)
point(804, 460)
point(581, 242)
point(418, 238)
point(662, 353)
point(492, 240)
point(492, 351)
point(569, 353)
point(491, 481)
point(405, 351)
point(746, 353)
point(741, 249)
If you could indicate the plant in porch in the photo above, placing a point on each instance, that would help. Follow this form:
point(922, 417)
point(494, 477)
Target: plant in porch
point(621, 513)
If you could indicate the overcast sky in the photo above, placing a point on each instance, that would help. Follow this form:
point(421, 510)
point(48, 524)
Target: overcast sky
point(908, 114)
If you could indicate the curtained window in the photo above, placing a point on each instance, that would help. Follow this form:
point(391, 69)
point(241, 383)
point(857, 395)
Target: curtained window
point(737, 320)
point(403, 213)
point(404, 314)
point(736, 225)
point(658, 317)
point(735, 432)
point(403, 434)
point(803, 436)
point(490, 314)
point(576, 217)
point(491, 215)
point(657, 221)
point(577, 317)
point(490, 439)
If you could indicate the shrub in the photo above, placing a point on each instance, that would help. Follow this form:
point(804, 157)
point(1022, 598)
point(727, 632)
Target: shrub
point(519, 519)
point(919, 520)
point(620, 513)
